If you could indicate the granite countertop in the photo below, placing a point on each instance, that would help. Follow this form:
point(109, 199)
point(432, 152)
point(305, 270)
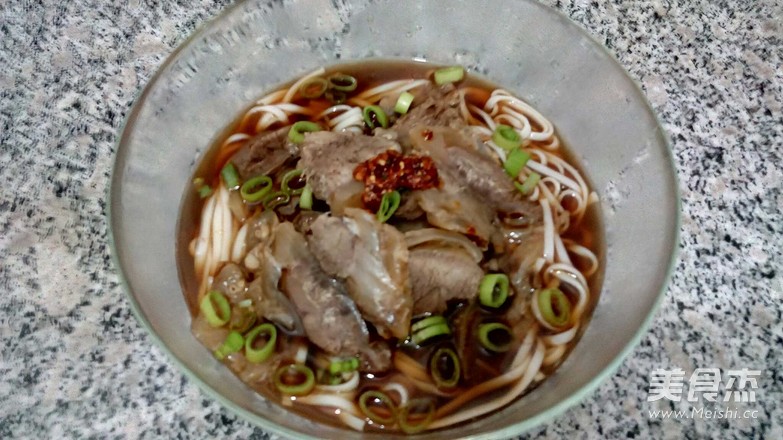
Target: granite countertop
point(75, 363)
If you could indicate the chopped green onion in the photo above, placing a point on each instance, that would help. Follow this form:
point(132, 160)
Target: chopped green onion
point(426, 322)
point(232, 344)
point(493, 290)
point(430, 332)
point(215, 308)
point(422, 419)
point(242, 319)
point(284, 184)
point(515, 161)
point(344, 366)
point(403, 103)
point(313, 88)
point(298, 129)
point(449, 75)
point(276, 199)
point(374, 116)
point(245, 303)
point(379, 400)
point(230, 176)
point(529, 184)
point(204, 191)
point(445, 359)
point(389, 204)
point(306, 199)
point(202, 188)
point(294, 379)
point(256, 188)
point(342, 82)
point(258, 355)
point(506, 137)
point(554, 307)
point(495, 330)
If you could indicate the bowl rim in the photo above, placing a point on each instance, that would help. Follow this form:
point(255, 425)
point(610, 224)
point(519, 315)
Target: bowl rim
point(513, 429)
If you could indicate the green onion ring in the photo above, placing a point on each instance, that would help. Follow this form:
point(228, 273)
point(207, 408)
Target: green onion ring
point(405, 411)
point(298, 129)
point(313, 88)
point(215, 317)
point(441, 382)
point(426, 322)
point(342, 82)
point(403, 103)
point(515, 161)
point(483, 334)
point(389, 204)
point(287, 179)
point(230, 176)
point(430, 332)
point(449, 75)
point(249, 192)
point(276, 199)
point(306, 199)
point(202, 188)
point(529, 184)
point(493, 290)
point(548, 298)
point(506, 137)
point(382, 398)
point(380, 117)
point(258, 355)
point(301, 389)
point(232, 344)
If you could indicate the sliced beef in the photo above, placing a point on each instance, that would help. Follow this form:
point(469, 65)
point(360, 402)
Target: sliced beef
point(440, 274)
point(456, 152)
point(372, 258)
point(454, 208)
point(329, 159)
point(329, 316)
point(264, 154)
point(432, 106)
point(268, 300)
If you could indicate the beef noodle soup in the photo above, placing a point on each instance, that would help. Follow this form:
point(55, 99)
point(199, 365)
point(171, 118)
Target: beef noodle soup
point(390, 246)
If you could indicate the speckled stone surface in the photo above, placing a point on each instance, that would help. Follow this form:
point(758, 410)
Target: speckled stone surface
point(74, 363)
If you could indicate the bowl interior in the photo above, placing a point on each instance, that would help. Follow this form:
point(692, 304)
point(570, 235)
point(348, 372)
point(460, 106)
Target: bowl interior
point(539, 55)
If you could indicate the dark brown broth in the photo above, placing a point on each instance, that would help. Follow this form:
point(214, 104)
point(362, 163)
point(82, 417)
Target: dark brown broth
point(589, 232)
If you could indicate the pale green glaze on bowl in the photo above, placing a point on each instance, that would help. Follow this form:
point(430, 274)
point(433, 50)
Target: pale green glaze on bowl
point(528, 48)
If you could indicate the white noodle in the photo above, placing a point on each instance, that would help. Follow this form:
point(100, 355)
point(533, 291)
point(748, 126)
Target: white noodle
point(553, 355)
point(236, 137)
point(561, 338)
point(345, 387)
point(583, 252)
point(289, 95)
point(301, 354)
point(389, 88)
point(352, 421)
point(549, 232)
point(271, 98)
point(400, 390)
point(240, 244)
point(529, 373)
point(560, 251)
